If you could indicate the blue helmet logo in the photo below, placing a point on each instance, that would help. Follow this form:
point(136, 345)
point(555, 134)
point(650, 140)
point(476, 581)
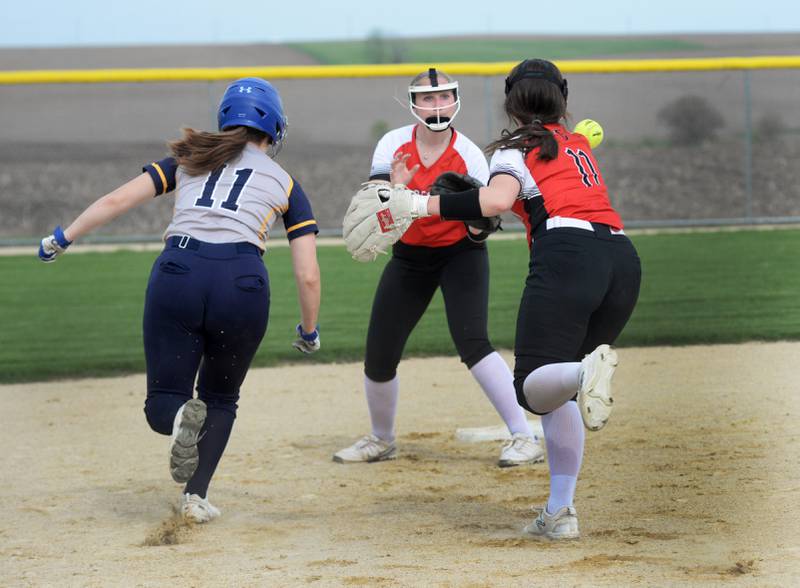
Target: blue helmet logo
point(253, 102)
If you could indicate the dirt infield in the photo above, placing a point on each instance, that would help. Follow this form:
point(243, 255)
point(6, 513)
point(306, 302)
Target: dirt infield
point(694, 482)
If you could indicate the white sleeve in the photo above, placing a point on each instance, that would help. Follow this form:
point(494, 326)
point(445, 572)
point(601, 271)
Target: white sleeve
point(478, 168)
point(508, 161)
point(475, 160)
point(511, 162)
point(381, 159)
point(385, 149)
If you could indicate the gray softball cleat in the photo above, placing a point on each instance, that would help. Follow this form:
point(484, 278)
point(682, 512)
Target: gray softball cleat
point(554, 527)
point(198, 510)
point(367, 449)
point(183, 454)
point(521, 449)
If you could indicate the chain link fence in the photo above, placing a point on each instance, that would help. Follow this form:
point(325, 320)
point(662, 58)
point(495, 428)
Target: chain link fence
point(682, 148)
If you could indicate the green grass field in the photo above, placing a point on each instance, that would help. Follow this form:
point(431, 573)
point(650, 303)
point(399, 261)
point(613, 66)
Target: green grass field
point(82, 315)
point(482, 50)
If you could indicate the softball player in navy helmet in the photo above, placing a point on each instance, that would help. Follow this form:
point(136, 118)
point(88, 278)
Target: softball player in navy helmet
point(208, 296)
point(583, 281)
point(432, 254)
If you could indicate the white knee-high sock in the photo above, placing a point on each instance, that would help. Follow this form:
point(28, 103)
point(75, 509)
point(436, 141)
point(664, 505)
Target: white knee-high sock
point(382, 403)
point(495, 378)
point(548, 387)
point(563, 435)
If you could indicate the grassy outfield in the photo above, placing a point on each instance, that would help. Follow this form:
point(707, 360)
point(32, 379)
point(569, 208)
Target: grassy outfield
point(82, 315)
point(481, 50)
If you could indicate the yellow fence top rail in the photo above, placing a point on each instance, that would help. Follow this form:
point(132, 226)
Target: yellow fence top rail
point(201, 74)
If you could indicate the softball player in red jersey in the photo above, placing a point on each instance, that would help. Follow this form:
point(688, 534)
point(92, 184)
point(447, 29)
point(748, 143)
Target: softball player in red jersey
point(583, 281)
point(433, 254)
point(208, 296)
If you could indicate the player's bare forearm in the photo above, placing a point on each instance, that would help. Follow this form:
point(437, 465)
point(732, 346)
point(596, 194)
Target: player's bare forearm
point(309, 297)
point(307, 278)
point(105, 209)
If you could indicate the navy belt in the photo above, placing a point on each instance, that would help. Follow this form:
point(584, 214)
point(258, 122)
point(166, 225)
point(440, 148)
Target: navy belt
point(187, 242)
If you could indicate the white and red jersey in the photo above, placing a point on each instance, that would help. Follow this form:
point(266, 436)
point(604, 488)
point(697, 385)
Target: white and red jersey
point(568, 186)
point(461, 155)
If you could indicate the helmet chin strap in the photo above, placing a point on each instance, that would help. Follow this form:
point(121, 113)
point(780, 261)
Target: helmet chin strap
point(277, 144)
point(274, 149)
point(438, 124)
point(435, 121)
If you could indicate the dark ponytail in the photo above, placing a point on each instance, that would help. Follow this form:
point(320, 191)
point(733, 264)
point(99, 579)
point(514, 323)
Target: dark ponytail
point(535, 96)
point(200, 152)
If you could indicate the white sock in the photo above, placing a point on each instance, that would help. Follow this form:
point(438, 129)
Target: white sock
point(548, 387)
point(495, 378)
point(563, 435)
point(562, 492)
point(382, 403)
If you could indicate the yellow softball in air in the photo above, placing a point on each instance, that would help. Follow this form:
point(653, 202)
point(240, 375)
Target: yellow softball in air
point(590, 129)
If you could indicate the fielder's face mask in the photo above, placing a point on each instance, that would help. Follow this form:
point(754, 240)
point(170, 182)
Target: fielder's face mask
point(433, 118)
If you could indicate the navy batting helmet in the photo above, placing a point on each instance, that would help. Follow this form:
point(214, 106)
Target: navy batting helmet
point(253, 102)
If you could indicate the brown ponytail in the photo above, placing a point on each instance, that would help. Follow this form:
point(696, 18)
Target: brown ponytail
point(200, 152)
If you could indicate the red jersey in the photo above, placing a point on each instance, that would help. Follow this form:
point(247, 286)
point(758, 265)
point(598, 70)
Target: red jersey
point(461, 155)
point(568, 186)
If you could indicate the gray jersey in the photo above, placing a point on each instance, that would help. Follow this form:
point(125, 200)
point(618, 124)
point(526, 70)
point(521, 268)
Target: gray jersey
point(238, 202)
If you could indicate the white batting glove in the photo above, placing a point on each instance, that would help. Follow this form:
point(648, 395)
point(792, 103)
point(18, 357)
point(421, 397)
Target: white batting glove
point(421, 205)
point(53, 245)
point(405, 203)
point(418, 205)
point(307, 342)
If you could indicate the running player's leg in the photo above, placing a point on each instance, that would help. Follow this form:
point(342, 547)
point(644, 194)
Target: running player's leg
point(173, 342)
point(570, 281)
point(236, 320)
point(562, 426)
point(556, 306)
point(404, 292)
point(598, 359)
point(173, 338)
point(465, 289)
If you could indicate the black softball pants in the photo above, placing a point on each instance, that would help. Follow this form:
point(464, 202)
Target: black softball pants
point(580, 292)
point(405, 290)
